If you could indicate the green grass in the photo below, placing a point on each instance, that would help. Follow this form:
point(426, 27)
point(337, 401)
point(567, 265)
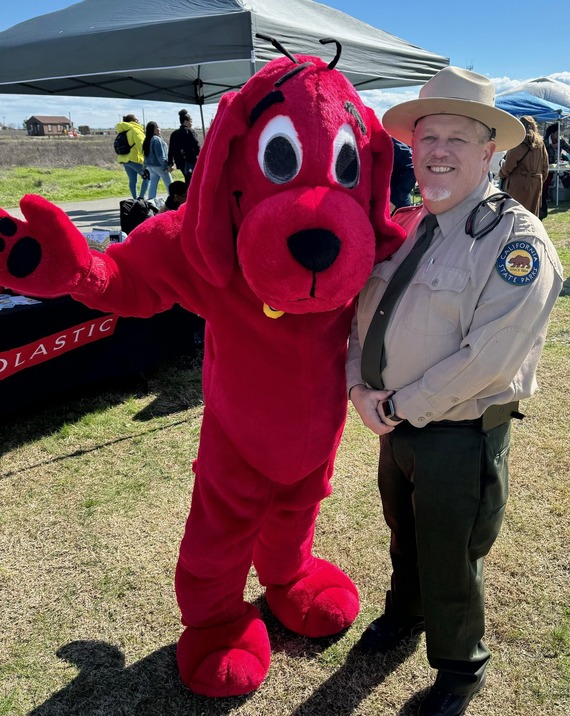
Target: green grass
point(94, 501)
point(62, 185)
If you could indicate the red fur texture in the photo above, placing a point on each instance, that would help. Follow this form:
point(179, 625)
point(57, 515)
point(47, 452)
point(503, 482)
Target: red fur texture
point(287, 207)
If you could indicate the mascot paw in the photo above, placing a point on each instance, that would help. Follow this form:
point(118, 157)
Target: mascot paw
point(46, 255)
point(322, 603)
point(228, 660)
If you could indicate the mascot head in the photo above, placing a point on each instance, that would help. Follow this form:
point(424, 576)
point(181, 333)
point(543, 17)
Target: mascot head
point(291, 187)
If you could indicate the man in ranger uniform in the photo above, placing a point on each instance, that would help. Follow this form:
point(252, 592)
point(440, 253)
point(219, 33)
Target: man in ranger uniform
point(446, 341)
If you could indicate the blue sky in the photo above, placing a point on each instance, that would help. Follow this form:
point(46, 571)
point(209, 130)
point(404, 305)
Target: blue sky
point(494, 40)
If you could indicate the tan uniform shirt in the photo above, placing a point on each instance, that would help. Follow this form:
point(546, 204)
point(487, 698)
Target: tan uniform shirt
point(469, 328)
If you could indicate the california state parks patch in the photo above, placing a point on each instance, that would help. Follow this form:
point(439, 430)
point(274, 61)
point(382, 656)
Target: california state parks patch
point(518, 263)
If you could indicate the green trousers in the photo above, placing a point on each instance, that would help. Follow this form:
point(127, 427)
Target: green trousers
point(444, 489)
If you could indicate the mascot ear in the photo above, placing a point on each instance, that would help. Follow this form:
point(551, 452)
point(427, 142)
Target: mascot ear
point(389, 236)
point(207, 235)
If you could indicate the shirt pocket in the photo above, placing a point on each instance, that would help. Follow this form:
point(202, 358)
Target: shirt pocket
point(437, 293)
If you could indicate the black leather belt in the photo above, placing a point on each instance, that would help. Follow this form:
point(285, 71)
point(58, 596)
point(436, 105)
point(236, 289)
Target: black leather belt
point(494, 416)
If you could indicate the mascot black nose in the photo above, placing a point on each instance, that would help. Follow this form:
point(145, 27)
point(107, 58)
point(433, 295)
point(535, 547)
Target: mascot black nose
point(315, 249)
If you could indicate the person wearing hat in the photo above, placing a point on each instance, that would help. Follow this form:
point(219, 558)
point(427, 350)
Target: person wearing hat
point(445, 341)
point(183, 147)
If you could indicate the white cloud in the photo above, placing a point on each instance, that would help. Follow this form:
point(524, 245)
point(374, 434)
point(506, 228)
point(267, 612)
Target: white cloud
point(96, 113)
point(105, 113)
point(502, 84)
point(381, 100)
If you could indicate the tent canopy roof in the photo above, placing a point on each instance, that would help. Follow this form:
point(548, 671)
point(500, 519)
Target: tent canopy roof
point(143, 49)
point(521, 103)
point(545, 88)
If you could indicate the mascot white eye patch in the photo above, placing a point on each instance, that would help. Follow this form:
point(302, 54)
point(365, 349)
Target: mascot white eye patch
point(280, 154)
point(346, 162)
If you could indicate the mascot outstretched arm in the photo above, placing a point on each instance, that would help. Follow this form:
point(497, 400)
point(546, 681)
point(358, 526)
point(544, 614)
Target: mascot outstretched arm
point(286, 216)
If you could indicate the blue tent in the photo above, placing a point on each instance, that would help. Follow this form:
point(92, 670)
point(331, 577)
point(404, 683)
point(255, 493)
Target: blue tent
point(522, 103)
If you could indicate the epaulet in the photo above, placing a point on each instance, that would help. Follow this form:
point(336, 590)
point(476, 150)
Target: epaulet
point(407, 209)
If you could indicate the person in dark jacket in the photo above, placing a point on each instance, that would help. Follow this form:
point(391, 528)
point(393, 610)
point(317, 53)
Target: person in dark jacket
point(551, 144)
point(403, 179)
point(184, 147)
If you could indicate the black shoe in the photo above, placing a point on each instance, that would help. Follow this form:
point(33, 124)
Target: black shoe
point(386, 633)
point(441, 703)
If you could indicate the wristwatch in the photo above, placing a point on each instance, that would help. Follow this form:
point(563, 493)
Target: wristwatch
point(390, 411)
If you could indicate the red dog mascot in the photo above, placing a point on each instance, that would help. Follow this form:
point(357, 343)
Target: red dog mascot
point(286, 216)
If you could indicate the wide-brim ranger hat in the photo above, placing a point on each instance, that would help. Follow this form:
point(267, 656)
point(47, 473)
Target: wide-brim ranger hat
point(454, 90)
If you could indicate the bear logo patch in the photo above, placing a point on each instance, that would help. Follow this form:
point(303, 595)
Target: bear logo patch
point(518, 263)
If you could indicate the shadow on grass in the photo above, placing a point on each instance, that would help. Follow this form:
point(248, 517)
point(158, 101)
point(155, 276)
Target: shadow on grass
point(176, 384)
point(565, 288)
point(355, 680)
point(562, 207)
point(361, 673)
point(105, 687)
point(151, 686)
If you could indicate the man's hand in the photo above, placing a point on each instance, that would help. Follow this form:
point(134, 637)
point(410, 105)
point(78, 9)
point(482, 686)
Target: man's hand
point(368, 404)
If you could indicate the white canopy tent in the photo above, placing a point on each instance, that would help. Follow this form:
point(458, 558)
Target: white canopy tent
point(545, 88)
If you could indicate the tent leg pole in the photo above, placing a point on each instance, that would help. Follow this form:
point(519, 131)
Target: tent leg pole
point(558, 164)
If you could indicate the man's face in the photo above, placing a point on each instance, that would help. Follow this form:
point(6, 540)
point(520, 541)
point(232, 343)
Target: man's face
point(451, 157)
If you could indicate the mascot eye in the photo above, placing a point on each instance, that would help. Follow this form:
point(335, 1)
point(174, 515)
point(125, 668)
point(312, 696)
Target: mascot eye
point(280, 154)
point(346, 159)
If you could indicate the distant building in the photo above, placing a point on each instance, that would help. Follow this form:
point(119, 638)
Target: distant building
point(37, 126)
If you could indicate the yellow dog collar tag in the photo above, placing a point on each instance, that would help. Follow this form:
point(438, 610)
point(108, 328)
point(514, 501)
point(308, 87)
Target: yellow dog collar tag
point(272, 313)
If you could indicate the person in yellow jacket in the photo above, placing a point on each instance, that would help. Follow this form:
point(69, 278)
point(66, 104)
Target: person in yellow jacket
point(133, 161)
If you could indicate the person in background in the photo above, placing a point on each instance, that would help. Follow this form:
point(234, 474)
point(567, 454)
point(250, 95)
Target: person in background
point(177, 193)
point(496, 163)
point(445, 341)
point(155, 153)
point(551, 144)
point(183, 148)
point(525, 168)
point(133, 162)
point(402, 180)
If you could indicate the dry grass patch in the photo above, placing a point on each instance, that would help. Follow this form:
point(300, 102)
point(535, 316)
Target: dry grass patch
point(94, 498)
point(93, 512)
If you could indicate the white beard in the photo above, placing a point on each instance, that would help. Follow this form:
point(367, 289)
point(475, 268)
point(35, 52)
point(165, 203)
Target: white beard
point(434, 194)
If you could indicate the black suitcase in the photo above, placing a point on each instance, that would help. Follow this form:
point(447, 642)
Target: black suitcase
point(133, 212)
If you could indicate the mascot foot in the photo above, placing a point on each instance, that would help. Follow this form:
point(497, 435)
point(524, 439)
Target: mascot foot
point(322, 603)
point(227, 660)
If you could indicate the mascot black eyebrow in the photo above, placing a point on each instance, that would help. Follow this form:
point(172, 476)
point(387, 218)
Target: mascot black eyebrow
point(286, 216)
